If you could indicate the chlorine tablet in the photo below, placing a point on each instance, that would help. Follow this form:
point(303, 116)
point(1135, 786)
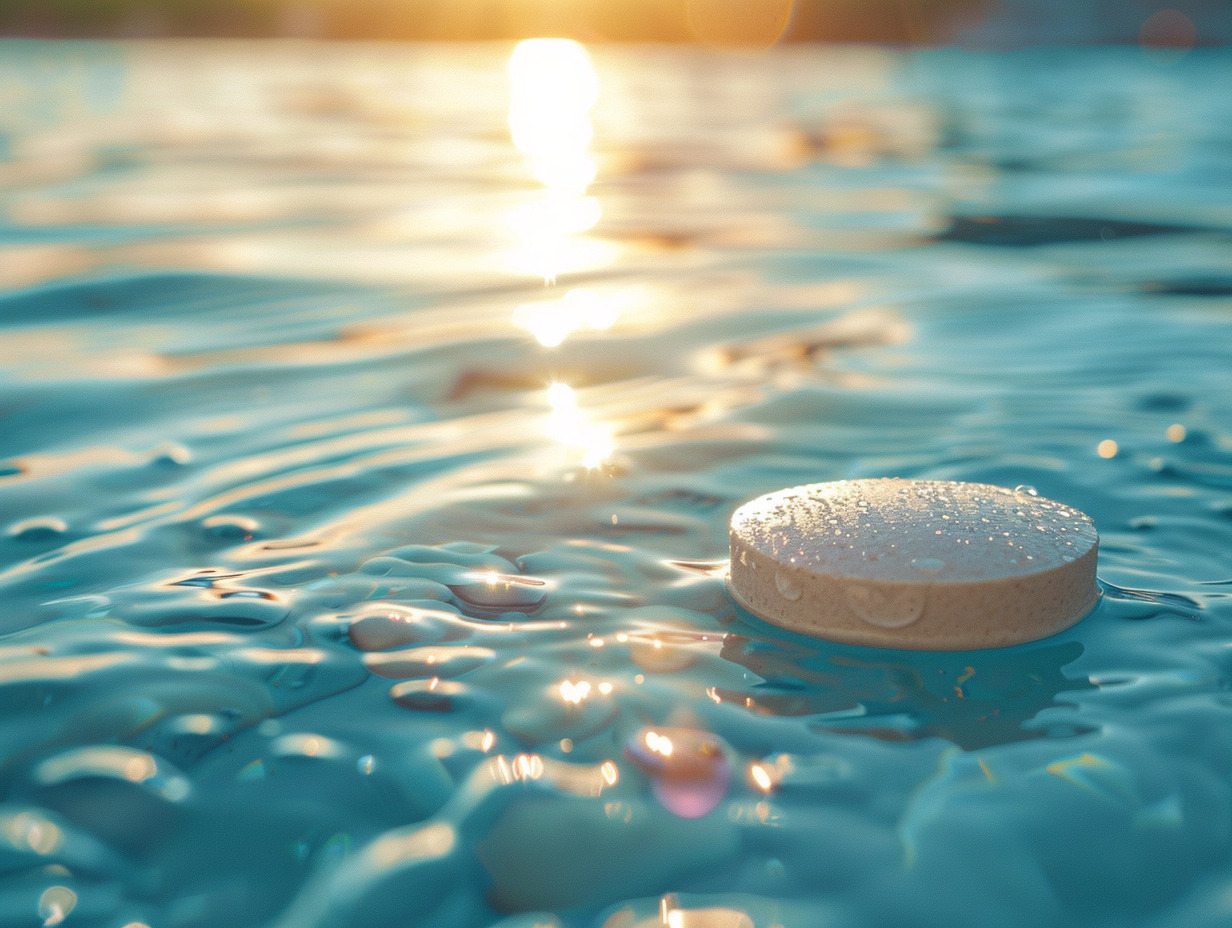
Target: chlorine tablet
point(922, 564)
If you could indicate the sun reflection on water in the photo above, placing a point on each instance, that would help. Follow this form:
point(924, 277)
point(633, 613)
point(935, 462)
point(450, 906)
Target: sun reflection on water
point(570, 426)
point(596, 309)
point(553, 85)
point(573, 693)
point(659, 744)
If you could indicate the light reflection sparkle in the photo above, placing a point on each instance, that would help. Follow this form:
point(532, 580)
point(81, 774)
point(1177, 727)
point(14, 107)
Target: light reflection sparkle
point(553, 86)
point(569, 426)
point(574, 693)
point(659, 744)
point(582, 308)
point(609, 772)
point(761, 777)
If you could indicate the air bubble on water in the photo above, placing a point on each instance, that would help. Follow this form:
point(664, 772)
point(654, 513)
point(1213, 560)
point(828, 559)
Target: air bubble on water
point(788, 588)
point(1026, 489)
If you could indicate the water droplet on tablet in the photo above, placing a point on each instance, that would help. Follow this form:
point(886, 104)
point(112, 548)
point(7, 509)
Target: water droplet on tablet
point(787, 587)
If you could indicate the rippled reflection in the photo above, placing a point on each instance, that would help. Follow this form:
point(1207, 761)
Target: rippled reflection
point(313, 615)
point(570, 426)
point(553, 86)
point(975, 700)
point(688, 768)
point(55, 905)
point(552, 321)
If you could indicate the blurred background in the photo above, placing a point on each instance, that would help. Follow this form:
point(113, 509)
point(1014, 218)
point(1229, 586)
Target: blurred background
point(974, 23)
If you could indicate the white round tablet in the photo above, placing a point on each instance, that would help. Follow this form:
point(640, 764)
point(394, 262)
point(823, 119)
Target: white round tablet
point(922, 564)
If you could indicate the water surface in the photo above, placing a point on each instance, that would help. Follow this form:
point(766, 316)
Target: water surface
point(372, 417)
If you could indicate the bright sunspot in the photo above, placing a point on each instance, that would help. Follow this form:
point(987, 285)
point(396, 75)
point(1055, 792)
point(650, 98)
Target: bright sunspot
point(552, 321)
point(552, 87)
point(569, 425)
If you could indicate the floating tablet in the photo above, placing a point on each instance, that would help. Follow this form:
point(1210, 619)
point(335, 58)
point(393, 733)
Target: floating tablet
point(923, 564)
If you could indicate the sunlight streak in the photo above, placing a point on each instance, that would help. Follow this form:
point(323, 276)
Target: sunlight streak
point(553, 86)
point(570, 426)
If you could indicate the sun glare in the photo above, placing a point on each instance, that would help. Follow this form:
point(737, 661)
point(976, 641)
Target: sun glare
point(582, 308)
point(569, 425)
point(552, 87)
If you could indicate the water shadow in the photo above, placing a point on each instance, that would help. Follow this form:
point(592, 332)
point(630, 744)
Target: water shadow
point(1026, 231)
point(974, 699)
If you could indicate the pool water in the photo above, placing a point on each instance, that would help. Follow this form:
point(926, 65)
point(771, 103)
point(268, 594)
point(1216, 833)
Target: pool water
point(371, 421)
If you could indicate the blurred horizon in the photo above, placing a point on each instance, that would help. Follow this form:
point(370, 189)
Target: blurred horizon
point(973, 23)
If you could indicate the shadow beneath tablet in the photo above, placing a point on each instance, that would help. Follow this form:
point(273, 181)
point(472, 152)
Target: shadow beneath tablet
point(974, 699)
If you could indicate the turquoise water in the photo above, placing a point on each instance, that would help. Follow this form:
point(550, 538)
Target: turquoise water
point(364, 483)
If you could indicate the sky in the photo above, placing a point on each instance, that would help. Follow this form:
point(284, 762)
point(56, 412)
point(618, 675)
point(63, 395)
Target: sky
point(974, 23)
